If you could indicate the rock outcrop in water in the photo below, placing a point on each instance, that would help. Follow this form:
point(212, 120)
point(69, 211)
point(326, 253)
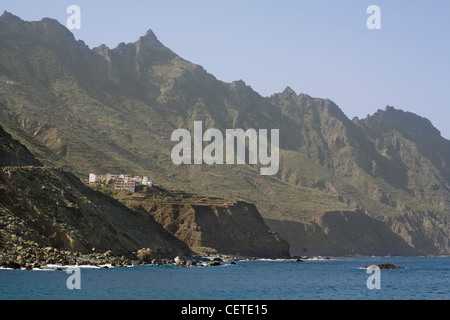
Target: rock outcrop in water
point(385, 266)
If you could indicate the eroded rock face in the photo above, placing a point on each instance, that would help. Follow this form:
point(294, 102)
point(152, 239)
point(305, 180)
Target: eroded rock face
point(342, 233)
point(41, 207)
point(356, 233)
point(427, 232)
point(230, 227)
point(12, 153)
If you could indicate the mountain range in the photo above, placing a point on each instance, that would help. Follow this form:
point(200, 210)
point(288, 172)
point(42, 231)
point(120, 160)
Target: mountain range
point(379, 185)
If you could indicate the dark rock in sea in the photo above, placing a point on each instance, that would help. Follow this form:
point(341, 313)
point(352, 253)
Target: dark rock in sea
point(385, 266)
point(389, 266)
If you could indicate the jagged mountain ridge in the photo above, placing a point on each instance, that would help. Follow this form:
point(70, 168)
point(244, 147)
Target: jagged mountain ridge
point(418, 146)
point(114, 109)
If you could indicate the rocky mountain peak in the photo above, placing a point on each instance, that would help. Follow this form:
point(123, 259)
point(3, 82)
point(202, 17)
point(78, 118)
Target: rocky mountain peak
point(149, 42)
point(149, 36)
point(8, 21)
point(397, 118)
point(289, 92)
point(9, 16)
point(103, 51)
point(238, 85)
point(146, 51)
point(51, 29)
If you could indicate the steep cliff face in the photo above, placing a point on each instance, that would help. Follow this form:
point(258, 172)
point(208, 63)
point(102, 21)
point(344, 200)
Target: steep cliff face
point(42, 207)
point(229, 227)
point(355, 233)
point(426, 232)
point(343, 233)
point(13, 153)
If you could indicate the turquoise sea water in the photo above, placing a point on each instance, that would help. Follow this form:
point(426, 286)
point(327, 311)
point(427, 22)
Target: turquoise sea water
point(424, 278)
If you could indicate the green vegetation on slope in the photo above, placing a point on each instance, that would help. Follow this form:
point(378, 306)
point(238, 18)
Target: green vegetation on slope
point(113, 110)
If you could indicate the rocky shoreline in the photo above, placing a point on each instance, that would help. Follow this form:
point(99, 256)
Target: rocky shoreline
point(29, 258)
point(35, 257)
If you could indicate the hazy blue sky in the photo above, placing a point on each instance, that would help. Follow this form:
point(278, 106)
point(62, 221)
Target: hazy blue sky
point(322, 47)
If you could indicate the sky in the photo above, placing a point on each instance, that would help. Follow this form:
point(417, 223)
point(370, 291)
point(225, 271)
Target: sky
point(322, 48)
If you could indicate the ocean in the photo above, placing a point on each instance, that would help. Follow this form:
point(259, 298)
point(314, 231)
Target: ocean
point(423, 278)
